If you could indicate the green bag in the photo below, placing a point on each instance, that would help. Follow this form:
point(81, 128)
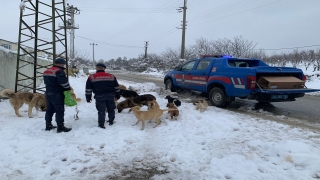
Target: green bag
point(68, 99)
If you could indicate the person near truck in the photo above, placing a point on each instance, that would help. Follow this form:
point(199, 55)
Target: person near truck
point(105, 88)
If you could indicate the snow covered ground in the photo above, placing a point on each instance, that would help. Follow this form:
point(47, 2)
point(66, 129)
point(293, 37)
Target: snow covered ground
point(215, 144)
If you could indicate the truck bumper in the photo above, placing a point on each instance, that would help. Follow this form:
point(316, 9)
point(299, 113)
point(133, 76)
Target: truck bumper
point(266, 97)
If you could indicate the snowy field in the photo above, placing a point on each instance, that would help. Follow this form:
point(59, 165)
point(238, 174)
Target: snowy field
point(215, 144)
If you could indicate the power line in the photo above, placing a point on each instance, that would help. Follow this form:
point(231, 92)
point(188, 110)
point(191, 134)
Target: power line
point(109, 44)
point(171, 30)
point(129, 10)
point(318, 45)
point(142, 21)
point(237, 13)
point(221, 9)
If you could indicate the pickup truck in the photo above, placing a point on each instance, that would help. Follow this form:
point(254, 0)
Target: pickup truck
point(223, 78)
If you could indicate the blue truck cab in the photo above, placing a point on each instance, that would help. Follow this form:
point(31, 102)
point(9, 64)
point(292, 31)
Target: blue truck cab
point(224, 78)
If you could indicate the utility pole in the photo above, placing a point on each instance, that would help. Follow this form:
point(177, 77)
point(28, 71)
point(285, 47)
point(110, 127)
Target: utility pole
point(93, 44)
point(70, 25)
point(184, 24)
point(146, 50)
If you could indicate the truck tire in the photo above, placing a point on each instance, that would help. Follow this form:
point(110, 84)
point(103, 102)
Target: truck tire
point(169, 85)
point(218, 98)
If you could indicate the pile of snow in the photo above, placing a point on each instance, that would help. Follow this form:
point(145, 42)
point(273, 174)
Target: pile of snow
point(215, 144)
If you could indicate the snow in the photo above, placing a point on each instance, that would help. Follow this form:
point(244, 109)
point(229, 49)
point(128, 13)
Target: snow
point(215, 144)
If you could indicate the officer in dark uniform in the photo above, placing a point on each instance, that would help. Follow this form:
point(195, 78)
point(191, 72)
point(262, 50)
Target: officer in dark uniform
point(105, 87)
point(56, 83)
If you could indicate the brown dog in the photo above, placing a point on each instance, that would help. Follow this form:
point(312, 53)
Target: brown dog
point(174, 112)
point(74, 95)
point(147, 115)
point(32, 99)
point(137, 101)
point(128, 103)
point(202, 105)
point(144, 99)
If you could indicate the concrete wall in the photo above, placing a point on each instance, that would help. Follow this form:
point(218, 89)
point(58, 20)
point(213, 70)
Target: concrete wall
point(8, 63)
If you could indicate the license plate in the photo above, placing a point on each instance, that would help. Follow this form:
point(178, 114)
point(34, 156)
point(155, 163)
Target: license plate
point(279, 96)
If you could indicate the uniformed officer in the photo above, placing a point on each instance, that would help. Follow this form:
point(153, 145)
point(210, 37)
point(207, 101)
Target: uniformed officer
point(105, 87)
point(56, 83)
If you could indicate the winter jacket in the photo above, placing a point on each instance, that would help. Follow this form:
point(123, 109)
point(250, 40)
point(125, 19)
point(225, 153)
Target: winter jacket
point(55, 80)
point(102, 83)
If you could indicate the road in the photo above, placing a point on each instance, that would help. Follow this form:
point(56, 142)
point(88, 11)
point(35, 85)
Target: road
point(305, 109)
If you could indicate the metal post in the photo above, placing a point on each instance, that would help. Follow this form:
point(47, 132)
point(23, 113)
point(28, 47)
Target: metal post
point(72, 35)
point(93, 62)
point(183, 29)
point(146, 50)
point(18, 57)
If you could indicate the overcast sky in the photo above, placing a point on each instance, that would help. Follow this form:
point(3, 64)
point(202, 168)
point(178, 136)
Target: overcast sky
point(121, 27)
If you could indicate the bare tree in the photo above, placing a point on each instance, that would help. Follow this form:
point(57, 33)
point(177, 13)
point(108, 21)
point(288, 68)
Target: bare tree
point(316, 64)
point(307, 58)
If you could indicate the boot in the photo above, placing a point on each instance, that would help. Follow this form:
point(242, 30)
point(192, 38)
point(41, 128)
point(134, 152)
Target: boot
point(111, 121)
point(62, 128)
point(49, 126)
point(101, 125)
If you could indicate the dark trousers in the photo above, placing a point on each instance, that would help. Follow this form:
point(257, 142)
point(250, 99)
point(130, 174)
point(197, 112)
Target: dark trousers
point(55, 104)
point(104, 101)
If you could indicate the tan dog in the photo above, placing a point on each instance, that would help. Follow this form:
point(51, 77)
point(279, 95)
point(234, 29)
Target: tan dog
point(19, 98)
point(174, 112)
point(122, 87)
point(147, 115)
point(202, 105)
point(74, 95)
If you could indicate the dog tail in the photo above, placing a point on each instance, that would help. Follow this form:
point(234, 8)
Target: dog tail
point(78, 99)
point(8, 93)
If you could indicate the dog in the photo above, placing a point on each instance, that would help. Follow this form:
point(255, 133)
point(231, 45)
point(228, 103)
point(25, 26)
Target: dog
point(202, 105)
point(144, 99)
point(122, 87)
point(74, 95)
point(128, 103)
point(128, 93)
point(176, 101)
point(137, 101)
point(19, 98)
point(174, 112)
point(148, 115)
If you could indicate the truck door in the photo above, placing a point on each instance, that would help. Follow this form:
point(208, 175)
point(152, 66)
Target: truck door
point(182, 76)
point(197, 78)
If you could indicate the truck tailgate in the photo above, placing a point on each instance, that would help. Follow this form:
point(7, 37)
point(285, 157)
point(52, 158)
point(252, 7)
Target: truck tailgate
point(286, 91)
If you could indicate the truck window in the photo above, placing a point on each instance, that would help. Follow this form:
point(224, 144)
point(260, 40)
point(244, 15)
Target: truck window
point(203, 65)
point(188, 66)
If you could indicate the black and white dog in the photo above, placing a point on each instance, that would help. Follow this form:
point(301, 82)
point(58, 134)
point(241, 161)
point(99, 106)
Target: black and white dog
point(128, 93)
point(176, 101)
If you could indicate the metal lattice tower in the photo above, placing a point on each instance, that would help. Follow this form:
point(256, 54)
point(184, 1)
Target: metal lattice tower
point(41, 29)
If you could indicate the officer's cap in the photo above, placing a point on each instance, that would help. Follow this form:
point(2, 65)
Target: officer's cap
point(101, 65)
point(60, 61)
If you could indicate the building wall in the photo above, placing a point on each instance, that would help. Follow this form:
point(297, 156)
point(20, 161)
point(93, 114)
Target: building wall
point(8, 62)
point(14, 47)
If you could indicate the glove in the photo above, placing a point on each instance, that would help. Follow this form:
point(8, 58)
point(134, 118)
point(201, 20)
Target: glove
point(68, 99)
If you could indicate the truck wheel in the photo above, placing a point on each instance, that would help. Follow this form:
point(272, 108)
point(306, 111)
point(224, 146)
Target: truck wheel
point(170, 86)
point(218, 98)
